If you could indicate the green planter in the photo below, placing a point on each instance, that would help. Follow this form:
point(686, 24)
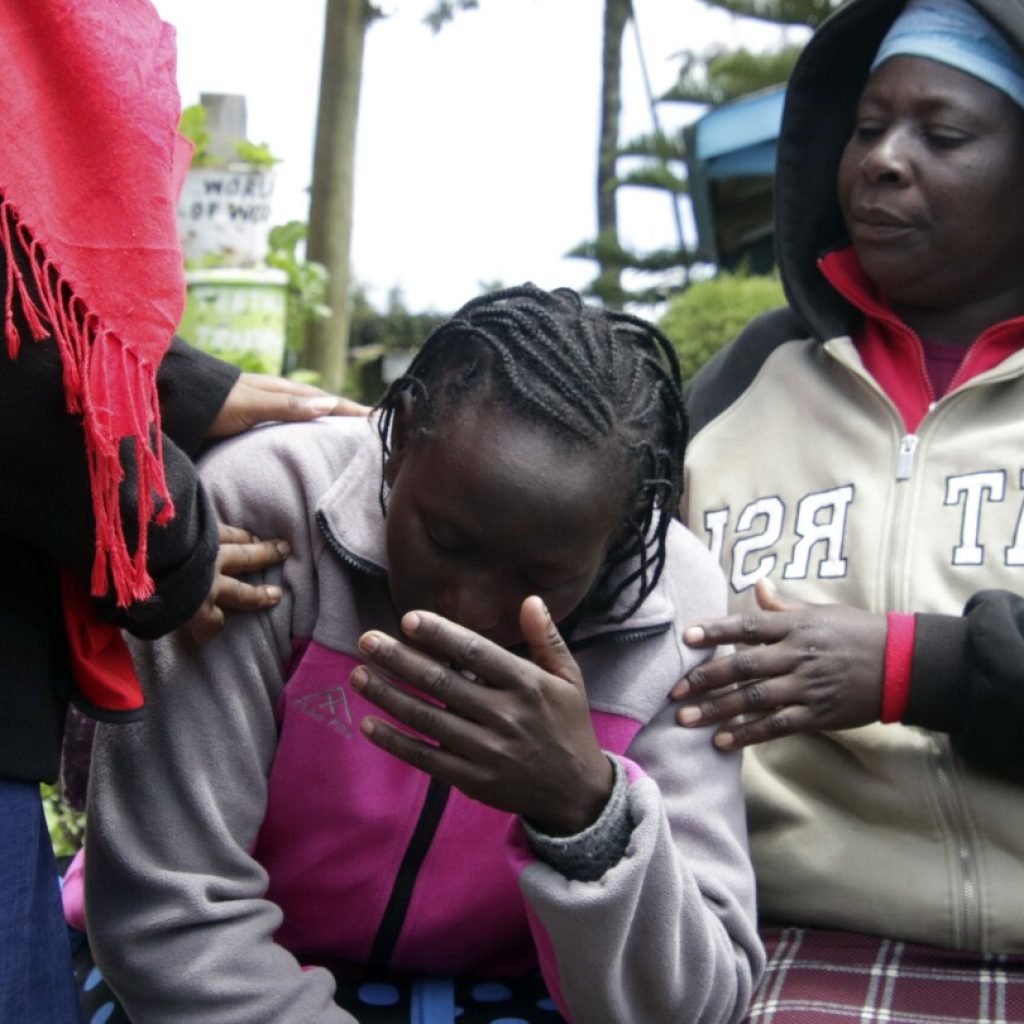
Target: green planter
point(238, 315)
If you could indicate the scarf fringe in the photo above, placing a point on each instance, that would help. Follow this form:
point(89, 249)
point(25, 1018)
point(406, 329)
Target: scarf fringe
point(100, 374)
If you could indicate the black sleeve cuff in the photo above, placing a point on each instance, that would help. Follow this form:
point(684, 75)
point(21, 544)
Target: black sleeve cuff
point(182, 559)
point(193, 387)
point(941, 668)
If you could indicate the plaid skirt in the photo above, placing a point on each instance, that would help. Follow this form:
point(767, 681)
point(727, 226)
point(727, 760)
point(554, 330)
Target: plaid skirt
point(822, 977)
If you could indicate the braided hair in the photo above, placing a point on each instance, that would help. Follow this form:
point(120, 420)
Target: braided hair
point(588, 374)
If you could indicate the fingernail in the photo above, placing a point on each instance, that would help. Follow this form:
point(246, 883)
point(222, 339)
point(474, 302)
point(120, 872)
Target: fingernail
point(693, 635)
point(689, 716)
point(273, 593)
point(284, 549)
point(322, 406)
point(724, 740)
point(359, 678)
point(411, 622)
point(680, 690)
point(366, 727)
point(369, 642)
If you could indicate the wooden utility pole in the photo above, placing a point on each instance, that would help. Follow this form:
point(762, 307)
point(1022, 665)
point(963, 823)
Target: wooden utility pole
point(616, 14)
point(331, 196)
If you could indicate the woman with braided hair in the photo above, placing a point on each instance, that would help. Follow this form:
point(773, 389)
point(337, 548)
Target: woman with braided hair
point(447, 755)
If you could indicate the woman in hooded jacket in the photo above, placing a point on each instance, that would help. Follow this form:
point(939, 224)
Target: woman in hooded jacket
point(857, 466)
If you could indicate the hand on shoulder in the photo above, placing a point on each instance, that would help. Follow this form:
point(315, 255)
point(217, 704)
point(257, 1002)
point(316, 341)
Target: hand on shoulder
point(798, 668)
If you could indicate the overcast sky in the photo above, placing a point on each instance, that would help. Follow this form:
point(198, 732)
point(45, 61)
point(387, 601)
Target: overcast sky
point(476, 151)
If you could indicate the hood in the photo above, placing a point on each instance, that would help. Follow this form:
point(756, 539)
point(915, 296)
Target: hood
point(817, 120)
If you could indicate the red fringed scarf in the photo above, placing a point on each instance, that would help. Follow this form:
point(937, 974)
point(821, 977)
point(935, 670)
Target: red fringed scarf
point(90, 169)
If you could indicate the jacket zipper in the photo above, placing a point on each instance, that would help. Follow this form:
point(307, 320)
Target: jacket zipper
point(393, 918)
point(905, 459)
point(968, 913)
point(344, 554)
point(969, 920)
point(624, 636)
point(434, 803)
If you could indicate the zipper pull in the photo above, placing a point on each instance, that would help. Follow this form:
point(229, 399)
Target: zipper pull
point(905, 460)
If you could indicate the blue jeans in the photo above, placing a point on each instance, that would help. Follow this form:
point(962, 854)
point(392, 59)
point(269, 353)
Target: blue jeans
point(36, 979)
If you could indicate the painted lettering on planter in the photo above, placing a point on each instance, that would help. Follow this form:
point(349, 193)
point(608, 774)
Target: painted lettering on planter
point(238, 315)
point(225, 213)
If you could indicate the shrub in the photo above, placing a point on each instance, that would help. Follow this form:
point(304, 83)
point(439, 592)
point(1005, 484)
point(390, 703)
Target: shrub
point(700, 320)
point(65, 824)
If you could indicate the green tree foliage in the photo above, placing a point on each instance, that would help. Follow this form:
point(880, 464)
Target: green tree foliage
point(700, 320)
point(193, 126)
point(721, 75)
point(781, 12)
point(445, 10)
point(711, 78)
point(307, 283)
point(657, 145)
point(658, 160)
point(394, 328)
point(66, 826)
point(377, 335)
point(659, 175)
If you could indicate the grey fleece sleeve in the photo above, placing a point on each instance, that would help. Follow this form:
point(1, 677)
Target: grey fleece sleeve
point(669, 931)
point(176, 906)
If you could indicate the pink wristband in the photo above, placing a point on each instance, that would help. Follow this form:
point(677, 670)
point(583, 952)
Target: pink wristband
point(899, 658)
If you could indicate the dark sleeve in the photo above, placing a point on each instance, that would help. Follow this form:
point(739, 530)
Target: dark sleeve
point(968, 679)
point(193, 387)
point(730, 371)
point(47, 503)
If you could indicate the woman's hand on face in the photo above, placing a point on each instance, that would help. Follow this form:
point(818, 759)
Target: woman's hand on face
point(801, 668)
point(240, 554)
point(510, 732)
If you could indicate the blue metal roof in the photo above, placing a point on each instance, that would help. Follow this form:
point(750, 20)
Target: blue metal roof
point(739, 138)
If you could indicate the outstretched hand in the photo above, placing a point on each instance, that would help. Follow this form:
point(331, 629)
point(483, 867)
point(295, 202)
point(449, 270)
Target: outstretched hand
point(262, 398)
point(240, 554)
point(511, 732)
point(801, 668)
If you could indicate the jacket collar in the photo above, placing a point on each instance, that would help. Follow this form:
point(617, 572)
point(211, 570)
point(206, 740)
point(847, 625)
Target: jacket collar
point(892, 352)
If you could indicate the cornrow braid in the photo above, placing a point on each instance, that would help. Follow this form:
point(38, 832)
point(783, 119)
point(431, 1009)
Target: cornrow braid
point(589, 374)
